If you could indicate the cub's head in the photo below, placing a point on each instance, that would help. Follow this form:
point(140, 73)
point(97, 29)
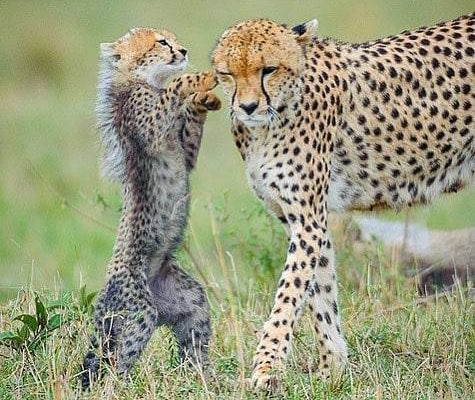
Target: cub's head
point(258, 63)
point(145, 54)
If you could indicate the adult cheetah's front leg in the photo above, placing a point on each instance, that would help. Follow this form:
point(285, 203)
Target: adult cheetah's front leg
point(307, 267)
point(323, 304)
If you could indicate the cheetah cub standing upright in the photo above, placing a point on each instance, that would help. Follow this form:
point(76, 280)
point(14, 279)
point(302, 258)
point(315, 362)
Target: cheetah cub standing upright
point(151, 136)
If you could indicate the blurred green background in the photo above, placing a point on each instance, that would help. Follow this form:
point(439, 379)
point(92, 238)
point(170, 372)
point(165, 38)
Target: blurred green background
point(52, 200)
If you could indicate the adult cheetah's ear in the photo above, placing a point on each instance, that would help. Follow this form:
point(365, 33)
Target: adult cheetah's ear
point(306, 31)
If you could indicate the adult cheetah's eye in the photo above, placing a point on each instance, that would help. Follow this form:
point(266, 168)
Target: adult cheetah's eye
point(163, 42)
point(268, 70)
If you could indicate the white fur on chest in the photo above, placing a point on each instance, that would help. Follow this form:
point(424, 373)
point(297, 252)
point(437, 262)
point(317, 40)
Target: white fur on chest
point(259, 174)
point(254, 174)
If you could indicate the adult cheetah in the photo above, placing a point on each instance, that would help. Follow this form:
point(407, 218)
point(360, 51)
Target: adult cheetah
point(323, 125)
point(151, 136)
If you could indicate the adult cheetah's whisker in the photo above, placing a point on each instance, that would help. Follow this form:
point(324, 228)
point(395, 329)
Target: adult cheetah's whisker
point(274, 115)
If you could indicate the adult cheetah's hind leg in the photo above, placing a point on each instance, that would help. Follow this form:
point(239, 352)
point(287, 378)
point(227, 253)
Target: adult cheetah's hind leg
point(125, 321)
point(324, 307)
point(182, 305)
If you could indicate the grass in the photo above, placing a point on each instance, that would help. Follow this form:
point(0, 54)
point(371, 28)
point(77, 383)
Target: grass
point(58, 218)
point(401, 346)
point(49, 148)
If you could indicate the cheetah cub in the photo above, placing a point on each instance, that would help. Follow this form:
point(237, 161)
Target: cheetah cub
point(151, 136)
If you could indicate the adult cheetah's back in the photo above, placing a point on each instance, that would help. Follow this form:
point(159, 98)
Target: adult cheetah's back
point(407, 128)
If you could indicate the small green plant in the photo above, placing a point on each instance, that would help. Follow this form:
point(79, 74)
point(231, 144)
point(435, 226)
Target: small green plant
point(263, 235)
point(85, 300)
point(35, 328)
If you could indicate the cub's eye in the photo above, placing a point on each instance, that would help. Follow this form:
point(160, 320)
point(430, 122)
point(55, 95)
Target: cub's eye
point(268, 70)
point(163, 42)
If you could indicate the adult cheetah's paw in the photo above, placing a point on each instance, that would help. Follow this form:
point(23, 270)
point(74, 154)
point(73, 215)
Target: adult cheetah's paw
point(262, 380)
point(331, 366)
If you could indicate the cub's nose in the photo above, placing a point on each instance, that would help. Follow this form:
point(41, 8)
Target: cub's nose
point(183, 51)
point(249, 108)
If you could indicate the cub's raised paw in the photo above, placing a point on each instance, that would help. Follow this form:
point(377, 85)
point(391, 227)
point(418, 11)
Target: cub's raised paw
point(187, 84)
point(212, 103)
point(209, 101)
point(207, 81)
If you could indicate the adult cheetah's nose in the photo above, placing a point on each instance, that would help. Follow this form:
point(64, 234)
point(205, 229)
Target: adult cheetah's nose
point(183, 51)
point(249, 108)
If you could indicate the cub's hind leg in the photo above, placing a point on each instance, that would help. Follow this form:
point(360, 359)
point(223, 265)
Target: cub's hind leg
point(138, 324)
point(125, 320)
point(182, 304)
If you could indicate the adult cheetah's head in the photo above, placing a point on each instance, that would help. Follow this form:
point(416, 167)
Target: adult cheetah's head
point(258, 64)
point(144, 54)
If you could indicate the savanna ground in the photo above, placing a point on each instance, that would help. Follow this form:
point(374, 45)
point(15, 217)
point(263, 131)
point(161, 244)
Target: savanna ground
point(58, 218)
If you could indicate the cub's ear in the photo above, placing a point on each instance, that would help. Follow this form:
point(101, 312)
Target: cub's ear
point(108, 51)
point(106, 48)
point(306, 31)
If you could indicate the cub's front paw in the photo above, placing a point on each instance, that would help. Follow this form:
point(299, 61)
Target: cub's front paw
point(187, 84)
point(208, 101)
point(207, 81)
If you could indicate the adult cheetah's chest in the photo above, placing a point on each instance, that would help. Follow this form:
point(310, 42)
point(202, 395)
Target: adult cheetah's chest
point(262, 173)
point(256, 174)
point(270, 171)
